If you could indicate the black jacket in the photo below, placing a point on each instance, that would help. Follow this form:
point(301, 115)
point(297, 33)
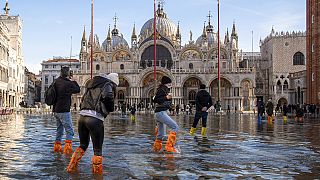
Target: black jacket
point(95, 88)
point(64, 89)
point(162, 103)
point(203, 99)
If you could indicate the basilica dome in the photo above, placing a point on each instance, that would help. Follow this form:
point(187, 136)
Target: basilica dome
point(164, 26)
point(116, 40)
point(208, 35)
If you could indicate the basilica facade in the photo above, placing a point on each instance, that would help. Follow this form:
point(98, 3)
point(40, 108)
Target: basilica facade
point(188, 66)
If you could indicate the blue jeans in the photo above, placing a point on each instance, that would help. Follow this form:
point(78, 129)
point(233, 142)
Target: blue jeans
point(200, 115)
point(64, 121)
point(164, 119)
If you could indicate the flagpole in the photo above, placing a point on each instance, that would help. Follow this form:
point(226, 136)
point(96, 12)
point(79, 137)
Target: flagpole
point(155, 45)
point(92, 41)
point(219, 76)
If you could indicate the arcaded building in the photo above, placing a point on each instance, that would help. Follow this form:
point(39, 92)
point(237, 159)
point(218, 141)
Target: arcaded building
point(281, 69)
point(188, 65)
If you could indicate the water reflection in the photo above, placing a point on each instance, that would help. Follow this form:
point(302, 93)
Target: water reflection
point(236, 146)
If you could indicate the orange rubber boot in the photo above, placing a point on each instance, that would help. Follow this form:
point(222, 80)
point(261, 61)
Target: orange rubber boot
point(171, 142)
point(67, 147)
point(76, 157)
point(97, 164)
point(57, 147)
point(157, 146)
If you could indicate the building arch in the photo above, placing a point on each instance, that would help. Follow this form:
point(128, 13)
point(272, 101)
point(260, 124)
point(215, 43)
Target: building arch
point(121, 55)
point(191, 53)
point(247, 94)
point(225, 91)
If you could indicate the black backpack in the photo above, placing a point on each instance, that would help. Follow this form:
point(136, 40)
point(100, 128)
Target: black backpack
point(50, 95)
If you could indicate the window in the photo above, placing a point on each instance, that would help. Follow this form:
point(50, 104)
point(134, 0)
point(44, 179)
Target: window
point(190, 66)
point(46, 66)
point(298, 59)
point(312, 48)
point(98, 67)
point(77, 66)
point(46, 80)
point(121, 66)
point(54, 66)
point(312, 18)
point(53, 78)
point(285, 85)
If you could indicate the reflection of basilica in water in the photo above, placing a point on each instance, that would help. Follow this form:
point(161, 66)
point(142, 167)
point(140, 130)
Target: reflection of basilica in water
point(187, 66)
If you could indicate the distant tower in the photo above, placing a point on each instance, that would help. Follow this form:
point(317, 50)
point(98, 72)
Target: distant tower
point(313, 51)
point(6, 8)
point(178, 36)
point(234, 46)
point(84, 51)
point(109, 39)
point(134, 37)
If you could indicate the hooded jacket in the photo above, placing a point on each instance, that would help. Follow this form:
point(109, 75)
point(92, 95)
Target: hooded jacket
point(64, 88)
point(203, 99)
point(163, 103)
point(99, 87)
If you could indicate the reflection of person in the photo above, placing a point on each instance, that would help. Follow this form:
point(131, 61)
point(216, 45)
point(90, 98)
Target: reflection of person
point(203, 103)
point(65, 87)
point(163, 98)
point(96, 104)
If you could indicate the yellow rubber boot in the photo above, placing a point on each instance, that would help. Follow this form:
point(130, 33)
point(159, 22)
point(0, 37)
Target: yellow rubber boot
point(157, 146)
point(285, 119)
point(67, 147)
point(192, 131)
point(57, 147)
point(171, 142)
point(97, 164)
point(133, 118)
point(76, 157)
point(204, 131)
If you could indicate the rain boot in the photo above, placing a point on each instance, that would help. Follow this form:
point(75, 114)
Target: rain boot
point(157, 146)
point(76, 157)
point(57, 147)
point(156, 131)
point(97, 164)
point(204, 131)
point(67, 147)
point(171, 142)
point(285, 119)
point(192, 131)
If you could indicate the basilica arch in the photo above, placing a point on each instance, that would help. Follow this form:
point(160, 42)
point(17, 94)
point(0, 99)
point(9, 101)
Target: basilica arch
point(190, 88)
point(191, 54)
point(147, 86)
point(247, 94)
point(122, 92)
point(121, 55)
point(225, 92)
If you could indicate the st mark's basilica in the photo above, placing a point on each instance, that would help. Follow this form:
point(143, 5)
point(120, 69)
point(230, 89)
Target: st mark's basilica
point(187, 66)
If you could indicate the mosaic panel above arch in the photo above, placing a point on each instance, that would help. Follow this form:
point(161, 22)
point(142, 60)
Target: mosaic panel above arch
point(121, 55)
point(191, 54)
point(213, 54)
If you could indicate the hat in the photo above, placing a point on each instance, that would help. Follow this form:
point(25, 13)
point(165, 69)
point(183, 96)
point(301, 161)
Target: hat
point(65, 71)
point(202, 86)
point(114, 77)
point(104, 75)
point(166, 80)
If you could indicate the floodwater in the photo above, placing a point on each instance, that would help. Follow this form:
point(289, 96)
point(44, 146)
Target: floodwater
point(236, 148)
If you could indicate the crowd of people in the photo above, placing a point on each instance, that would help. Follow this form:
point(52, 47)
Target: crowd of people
point(99, 100)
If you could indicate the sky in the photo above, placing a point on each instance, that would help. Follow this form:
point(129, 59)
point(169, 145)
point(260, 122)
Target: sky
point(54, 27)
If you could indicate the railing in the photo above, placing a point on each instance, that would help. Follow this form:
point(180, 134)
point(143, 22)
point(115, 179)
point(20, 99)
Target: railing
point(175, 71)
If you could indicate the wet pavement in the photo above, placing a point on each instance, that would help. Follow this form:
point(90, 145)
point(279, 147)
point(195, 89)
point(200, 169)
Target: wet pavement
point(236, 147)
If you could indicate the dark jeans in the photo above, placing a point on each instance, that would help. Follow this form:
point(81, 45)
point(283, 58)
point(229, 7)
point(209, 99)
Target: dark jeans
point(203, 116)
point(91, 127)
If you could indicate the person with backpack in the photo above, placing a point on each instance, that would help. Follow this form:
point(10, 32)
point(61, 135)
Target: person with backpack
point(203, 103)
point(64, 87)
point(163, 100)
point(96, 104)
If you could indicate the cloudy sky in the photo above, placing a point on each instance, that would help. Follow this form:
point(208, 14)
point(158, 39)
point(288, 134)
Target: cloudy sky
point(48, 25)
